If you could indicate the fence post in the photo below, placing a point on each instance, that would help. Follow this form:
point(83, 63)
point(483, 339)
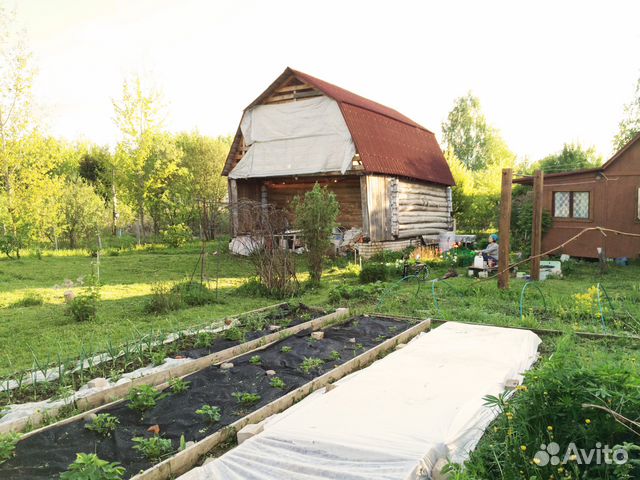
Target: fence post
point(536, 228)
point(505, 229)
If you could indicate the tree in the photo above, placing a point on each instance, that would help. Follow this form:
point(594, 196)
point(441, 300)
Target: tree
point(465, 132)
point(204, 158)
point(629, 126)
point(571, 157)
point(16, 122)
point(146, 160)
point(316, 216)
point(83, 211)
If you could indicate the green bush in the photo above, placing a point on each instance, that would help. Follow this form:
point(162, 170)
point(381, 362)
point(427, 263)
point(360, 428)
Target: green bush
point(550, 407)
point(194, 293)
point(7, 445)
point(153, 448)
point(144, 398)
point(356, 292)
point(89, 466)
point(84, 307)
point(177, 235)
point(163, 300)
point(373, 272)
point(103, 424)
point(315, 215)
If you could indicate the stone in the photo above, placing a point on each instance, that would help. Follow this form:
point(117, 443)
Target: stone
point(319, 335)
point(274, 328)
point(155, 429)
point(89, 417)
point(352, 340)
point(228, 321)
point(270, 373)
point(69, 295)
point(123, 380)
point(400, 346)
point(511, 384)
point(98, 383)
point(188, 444)
point(226, 366)
point(249, 431)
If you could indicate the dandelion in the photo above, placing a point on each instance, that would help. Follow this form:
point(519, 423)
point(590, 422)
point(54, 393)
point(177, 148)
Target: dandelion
point(573, 458)
point(536, 460)
point(588, 421)
point(549, 428)
point(522, 388)
point(523, 448)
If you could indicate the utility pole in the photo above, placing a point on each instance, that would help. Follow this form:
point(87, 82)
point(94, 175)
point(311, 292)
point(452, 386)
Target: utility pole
point(536, 227)
point(505, 229)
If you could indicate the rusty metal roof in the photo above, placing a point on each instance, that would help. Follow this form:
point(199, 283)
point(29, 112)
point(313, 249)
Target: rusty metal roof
point(388, 142)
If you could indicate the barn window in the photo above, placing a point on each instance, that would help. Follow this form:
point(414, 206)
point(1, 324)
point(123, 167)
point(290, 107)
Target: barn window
point(571, 205)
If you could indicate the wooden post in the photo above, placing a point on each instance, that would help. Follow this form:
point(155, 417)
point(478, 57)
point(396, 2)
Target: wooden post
point(536, 227)
point(233, 201)
point(505, 229)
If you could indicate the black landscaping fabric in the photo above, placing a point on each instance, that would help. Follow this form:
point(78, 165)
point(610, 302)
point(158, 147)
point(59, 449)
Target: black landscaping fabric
point(47, 454)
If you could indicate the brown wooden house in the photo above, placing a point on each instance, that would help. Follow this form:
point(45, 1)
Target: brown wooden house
point(607, 197)
point(388, 172)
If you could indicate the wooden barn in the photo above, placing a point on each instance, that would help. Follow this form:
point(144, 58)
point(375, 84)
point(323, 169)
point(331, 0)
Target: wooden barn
point(607, 197)
point(387, 172)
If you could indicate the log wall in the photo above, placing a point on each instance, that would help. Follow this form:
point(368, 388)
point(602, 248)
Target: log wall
point(422, 208)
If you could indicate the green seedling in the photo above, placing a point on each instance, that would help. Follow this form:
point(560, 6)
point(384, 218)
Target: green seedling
point(246, 398)
point(311, 363)
point(7, 445)
point(153, 448)
point(255, 360)
point(179, 385)
point(90, 466)
point(144, 398)
point(212, 414)
point(335, 355)
point(286, 349)
point(103, 424)
point(204, 340)
point(277, 382)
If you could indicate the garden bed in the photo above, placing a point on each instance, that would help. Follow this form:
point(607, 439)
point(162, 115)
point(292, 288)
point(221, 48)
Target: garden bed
point(189, 351)
point(296, 360)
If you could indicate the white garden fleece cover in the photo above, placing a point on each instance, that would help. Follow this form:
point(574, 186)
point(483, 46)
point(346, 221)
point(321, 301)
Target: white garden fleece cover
point(392, 420)
point(295, 138)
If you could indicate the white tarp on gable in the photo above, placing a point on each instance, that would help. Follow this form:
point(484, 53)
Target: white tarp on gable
point(302, 137)
point(393, 420)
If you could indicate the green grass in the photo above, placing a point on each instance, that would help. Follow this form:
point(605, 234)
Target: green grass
point(129, 278)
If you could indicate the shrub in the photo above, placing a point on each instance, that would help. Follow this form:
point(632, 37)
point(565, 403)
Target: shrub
point(89, 466)
point(234, 334)
point(144, 398)
point(176, 235)
point(355, 292)
point(373, 272)
point(316, 216)
point(162, 300)
point(103, 424)
point(7, 445)
point(204, 339)
point(30, 299)
point(255, 360)
point(212, 414)
point(154, 448)
point(84, 307)
point(194, 293)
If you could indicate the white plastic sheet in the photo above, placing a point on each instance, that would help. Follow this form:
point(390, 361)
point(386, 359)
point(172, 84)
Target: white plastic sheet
point(392, 420)
point(306, 136)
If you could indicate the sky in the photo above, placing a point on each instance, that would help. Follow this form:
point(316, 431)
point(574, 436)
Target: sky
point(546, 72)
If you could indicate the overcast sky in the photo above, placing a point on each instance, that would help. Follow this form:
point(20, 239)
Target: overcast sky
point(546, 72)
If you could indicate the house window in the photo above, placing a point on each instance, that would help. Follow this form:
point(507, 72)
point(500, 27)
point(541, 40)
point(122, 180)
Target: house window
point(571, 205)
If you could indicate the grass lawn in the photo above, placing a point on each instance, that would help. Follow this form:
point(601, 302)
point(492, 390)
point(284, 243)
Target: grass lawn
point(128, 279)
